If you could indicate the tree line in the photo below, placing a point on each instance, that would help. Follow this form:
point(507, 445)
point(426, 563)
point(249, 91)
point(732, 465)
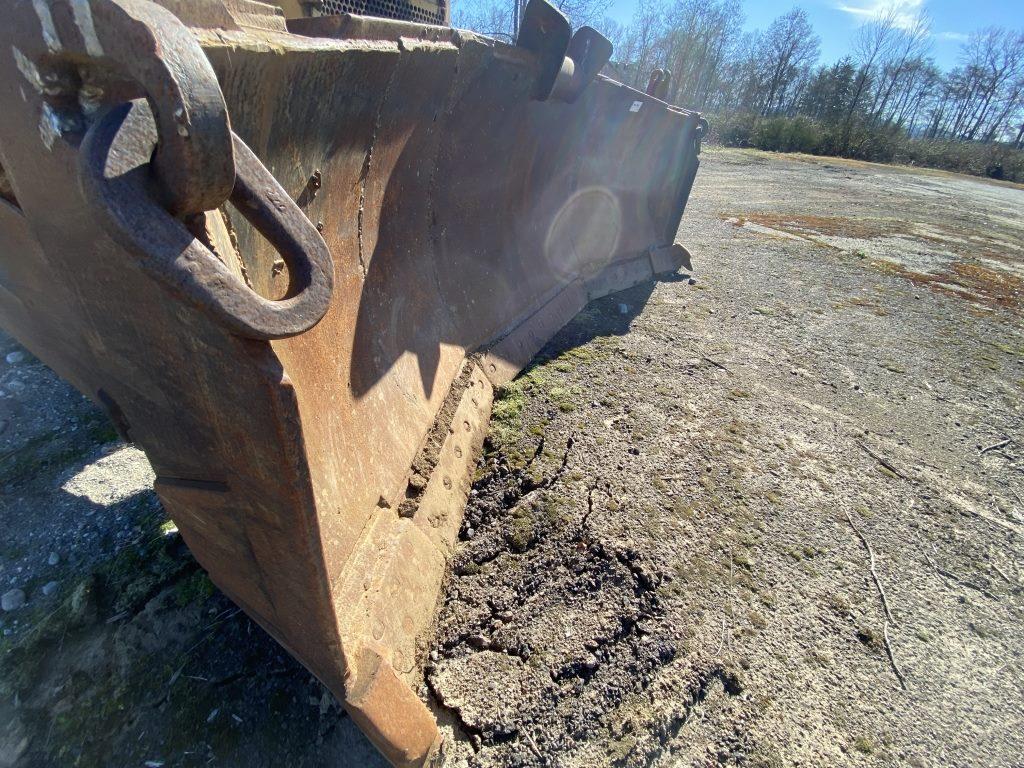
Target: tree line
point(886, 100)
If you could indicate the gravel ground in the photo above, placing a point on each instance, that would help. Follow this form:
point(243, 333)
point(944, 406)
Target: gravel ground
point(767, 518)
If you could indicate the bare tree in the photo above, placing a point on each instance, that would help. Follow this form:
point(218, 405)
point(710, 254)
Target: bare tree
point(788, 49)
point(494, 18)
point(908, 47)
point(872, 45)
point(639, 44)
point(501, 18)
point(699, 38)
point(996, 58)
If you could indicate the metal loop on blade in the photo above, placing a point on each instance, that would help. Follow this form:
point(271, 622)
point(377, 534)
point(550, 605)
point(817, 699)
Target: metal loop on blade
point(115, 177)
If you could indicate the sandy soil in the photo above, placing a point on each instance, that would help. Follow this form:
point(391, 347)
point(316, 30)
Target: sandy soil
point(767, 519)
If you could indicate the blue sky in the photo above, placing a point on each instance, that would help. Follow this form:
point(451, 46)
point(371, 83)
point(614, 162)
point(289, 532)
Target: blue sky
point(837, 20)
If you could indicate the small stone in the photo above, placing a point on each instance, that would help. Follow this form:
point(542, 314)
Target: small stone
point(50, 587)
point(623, 309)
point(15, 357)
point(82, 608)
point(213, 714)
point(53, 559)
point(590, 662)
point(692, 281)
point(470, 533)
point(434, 655)
point(16, 386)
point(478, 641)
point(12, 599)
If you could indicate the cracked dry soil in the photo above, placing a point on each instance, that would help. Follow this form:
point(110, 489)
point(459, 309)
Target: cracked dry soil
point(697, 506)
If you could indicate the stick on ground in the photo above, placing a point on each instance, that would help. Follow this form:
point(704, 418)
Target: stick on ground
point(892, 659)
point(715, 363)
point(874, 573)
point(996, 446)
point(883, 461)
point(885, 606)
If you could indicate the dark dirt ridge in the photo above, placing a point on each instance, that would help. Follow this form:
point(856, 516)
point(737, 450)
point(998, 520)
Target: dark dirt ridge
point(665, 558)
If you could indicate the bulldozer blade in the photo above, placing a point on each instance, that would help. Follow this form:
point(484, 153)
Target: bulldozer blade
point(293, 263)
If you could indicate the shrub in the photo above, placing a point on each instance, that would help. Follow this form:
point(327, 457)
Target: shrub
point(788, 134)
point(885, 144)
point(733, 130)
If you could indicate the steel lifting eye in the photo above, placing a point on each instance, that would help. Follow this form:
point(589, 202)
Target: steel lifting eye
point(114, 167)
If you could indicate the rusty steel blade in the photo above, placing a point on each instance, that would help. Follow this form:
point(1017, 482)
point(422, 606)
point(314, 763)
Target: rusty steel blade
point(309, 366)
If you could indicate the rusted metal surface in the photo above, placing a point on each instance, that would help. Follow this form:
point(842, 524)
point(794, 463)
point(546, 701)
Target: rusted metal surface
point(304, 336)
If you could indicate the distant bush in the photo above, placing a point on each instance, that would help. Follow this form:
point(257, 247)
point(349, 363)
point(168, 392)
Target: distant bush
point(733, 130)
point(785, 134)
point(887, 144)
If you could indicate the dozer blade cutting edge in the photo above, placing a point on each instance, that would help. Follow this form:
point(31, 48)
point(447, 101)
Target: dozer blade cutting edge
point(300, 313)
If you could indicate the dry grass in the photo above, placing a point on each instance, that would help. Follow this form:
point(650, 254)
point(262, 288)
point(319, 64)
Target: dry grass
point(971, 282)
point(831, 226)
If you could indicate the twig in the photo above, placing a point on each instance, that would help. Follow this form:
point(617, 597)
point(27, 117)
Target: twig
point(715, 363)
point(953, 577)
point(892, 659)
point(721, 639)
point(874, 573)
point(728, 610)
point(883, 461)
point(997, 446)
point(590, 508)
point(999, 570)
point(885, 606)
point(536, 749)
point(966, 512)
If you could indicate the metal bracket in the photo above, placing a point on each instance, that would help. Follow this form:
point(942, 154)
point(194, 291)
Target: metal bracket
point(588, 52)
point(658, 83)
point(546, 32)
point(567, 64)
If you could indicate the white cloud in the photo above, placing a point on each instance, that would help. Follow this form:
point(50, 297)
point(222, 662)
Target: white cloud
point(905, 12)
point(957, 37)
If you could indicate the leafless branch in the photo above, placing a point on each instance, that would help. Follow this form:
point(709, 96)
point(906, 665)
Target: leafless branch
point(996, 446)
point(874, 573)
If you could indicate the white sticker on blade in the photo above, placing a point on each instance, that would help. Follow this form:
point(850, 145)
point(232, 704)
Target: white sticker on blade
point(636, 106)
